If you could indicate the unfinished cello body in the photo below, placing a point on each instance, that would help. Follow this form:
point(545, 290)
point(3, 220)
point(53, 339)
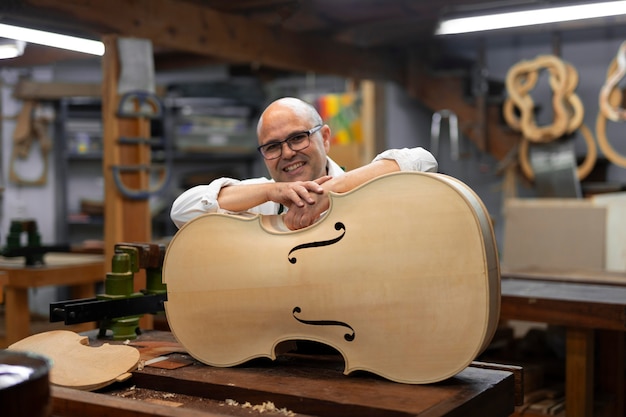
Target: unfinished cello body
point(401, 276)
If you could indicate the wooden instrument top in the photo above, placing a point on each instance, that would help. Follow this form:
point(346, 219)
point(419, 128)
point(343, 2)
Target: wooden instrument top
point(401, 276)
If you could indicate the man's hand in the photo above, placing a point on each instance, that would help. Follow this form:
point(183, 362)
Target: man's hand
point(298, 217)
point(298, 193)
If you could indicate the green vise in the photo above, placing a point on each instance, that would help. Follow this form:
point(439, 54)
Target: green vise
point(129, 259)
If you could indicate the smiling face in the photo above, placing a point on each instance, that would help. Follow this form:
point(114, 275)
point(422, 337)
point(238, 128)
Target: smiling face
point(281, 120)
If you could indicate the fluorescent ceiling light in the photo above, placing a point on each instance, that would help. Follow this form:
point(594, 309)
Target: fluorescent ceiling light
point(530, 17)
point(52, 39)
point(11, 48)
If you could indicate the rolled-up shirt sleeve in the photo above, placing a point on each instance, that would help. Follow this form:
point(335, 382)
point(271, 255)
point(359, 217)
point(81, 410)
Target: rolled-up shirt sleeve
point(202, 199)
point(198, 200)
point(411, 159)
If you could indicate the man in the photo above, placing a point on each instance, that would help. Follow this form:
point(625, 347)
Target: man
point(294, 142)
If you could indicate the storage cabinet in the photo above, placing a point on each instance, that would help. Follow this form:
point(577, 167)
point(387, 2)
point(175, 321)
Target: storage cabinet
point(207, 140)
point(79, 178)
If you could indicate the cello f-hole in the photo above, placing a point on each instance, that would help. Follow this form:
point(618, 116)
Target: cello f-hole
point(338, 226)
point(348, 336)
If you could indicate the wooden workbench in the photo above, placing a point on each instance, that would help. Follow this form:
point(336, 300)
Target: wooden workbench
point(592, 308)
point(79, 271)
point(309, 385)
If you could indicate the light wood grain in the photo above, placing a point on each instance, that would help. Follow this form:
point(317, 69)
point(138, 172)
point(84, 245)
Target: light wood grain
point(414, 278)
point(77, 365)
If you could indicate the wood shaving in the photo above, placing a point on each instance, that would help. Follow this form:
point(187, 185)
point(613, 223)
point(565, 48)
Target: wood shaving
point(170, 399)
point(267, 406)
point(163, 402)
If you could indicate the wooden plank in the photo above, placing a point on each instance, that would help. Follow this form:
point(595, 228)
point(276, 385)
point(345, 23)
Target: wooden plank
point(69, 275)
point(59, 270)
point(68, 402)
point(567, 275)
point(39, 55)
point(36, 90)
point(518, 374)
point(305, 386)
point(185, 26)
point(32, 90)
point(595, 307)
point(580, 292)
point(579, 372)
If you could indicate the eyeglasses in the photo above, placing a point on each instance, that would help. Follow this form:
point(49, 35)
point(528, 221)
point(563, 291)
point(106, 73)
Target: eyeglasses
point(296, 142)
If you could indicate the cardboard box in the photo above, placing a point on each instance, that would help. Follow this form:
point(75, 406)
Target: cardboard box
point(615, 246)
point(554, 234)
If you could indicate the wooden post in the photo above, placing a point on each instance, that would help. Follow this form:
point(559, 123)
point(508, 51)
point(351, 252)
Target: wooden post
point(125, 220)
point(373, 118)
point(610, 369)
point(579, 372)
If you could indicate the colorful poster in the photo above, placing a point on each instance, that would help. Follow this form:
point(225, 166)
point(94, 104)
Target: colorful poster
point(342, 112)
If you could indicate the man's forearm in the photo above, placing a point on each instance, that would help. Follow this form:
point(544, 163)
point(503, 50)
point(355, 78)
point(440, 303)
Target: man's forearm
point(361, 175)
point(239, 198)
point(243, 197)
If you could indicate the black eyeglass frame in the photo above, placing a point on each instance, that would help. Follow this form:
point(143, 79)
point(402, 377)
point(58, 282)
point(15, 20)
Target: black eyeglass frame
point(308, 133)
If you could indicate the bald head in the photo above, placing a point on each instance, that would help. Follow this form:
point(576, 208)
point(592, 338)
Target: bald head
point(297, 107)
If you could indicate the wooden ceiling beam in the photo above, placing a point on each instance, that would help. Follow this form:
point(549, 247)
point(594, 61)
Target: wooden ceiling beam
point(192, 28)
point(42, 55)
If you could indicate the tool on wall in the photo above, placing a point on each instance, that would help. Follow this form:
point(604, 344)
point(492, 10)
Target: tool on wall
point(453, 129)
point(141, 104)
point(119, 308)
point(610, 100)
point(32, 126)
point(519, 111)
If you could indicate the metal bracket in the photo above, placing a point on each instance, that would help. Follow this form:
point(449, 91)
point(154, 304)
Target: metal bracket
point(93, 309)
point(136, 104)
point(453, 128)
point(141, 104)
point(140, 194)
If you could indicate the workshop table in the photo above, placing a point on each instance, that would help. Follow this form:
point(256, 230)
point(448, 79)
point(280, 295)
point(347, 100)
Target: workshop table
point(306, 384)
point(592, 308)
point(78, 271)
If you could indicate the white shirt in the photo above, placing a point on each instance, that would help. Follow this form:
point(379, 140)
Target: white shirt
point(202, 199)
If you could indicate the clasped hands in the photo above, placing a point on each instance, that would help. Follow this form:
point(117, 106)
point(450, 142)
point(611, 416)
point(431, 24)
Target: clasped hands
point(305, 201)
